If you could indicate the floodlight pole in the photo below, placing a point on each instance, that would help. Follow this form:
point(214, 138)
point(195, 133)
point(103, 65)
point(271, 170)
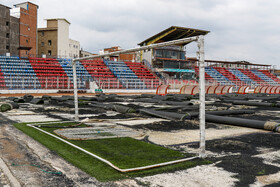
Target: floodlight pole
point(74, 66)
point(200, 45)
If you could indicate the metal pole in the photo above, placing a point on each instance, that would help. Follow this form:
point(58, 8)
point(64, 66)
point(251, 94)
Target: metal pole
point(173, 42)
point(200, 45)
point(75, 90)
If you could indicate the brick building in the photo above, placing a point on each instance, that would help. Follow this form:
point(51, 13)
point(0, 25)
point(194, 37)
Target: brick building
point(130, 57)
point(9, 32)
point(27, 14)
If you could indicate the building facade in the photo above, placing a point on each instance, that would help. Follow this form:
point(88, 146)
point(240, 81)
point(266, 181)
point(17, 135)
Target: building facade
point(85, 53)
point(54, 41)
point(27, 14)
point(170, 61)
point(128, 57)
point(9, 32)
point(74, 48)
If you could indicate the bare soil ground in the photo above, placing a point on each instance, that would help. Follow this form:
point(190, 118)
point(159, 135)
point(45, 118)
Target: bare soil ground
point(241, 156)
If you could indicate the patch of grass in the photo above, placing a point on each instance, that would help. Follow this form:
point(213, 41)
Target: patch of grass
point(262, 172)
point(123, 152)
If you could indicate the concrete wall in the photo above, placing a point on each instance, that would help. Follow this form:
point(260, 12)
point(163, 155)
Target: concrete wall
point(147, 57)
point(74, 48)
point(9, 32)
point(14, 36)
point(63, 38)
point(52, 23)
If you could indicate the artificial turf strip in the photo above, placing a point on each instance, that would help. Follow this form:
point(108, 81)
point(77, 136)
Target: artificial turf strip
point(123, 152)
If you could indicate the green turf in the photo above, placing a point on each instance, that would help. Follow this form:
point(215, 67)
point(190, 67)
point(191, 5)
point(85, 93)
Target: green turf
point(122, 152)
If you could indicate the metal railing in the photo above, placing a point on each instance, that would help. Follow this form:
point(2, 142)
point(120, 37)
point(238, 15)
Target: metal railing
point(65, 83)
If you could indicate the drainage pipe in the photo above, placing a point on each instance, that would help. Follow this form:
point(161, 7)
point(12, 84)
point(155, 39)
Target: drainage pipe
point(165, 115)
point(177, 116)
point(253, 103)
point(224, 112)
point(184, 103)
point(106, 161)
point(266, 125)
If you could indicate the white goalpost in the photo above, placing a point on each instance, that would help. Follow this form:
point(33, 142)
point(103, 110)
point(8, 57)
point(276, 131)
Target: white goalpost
point(200, 45)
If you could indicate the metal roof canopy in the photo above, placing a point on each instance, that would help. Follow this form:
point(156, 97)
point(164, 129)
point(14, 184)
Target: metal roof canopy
point(200, 45)
point(173, 33)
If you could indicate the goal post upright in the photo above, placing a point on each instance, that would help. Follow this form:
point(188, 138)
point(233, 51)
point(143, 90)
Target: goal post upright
point(200, 44)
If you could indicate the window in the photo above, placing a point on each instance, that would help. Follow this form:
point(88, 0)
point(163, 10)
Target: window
point(43, 33)
point(7, 23)
point(49, 52)
point(7, 47)
point(158, 53)
point(42, 44)
point(26, 41)
point(7, 35)
point(50, 42)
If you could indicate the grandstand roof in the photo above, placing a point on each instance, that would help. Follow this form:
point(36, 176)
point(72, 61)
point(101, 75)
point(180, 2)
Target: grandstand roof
point(173, 33)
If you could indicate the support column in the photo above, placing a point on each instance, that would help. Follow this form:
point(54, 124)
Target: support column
point(200, 44)
point(74, 65)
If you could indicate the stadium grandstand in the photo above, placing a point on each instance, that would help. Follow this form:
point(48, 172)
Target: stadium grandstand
point(141, 70)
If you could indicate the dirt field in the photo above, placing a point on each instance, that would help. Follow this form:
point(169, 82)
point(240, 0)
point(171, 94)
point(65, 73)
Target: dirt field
point(241, 156)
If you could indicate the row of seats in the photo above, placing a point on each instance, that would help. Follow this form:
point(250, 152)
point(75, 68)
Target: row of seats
point(252, 76)
point(101, 74)
point(2, 80)
point(50, 73)
point(47, 73)
point(18, 73)
point(150, 80)
point(83, 77)
point(220, 78)
point(229, 75)
point(126, 76)
point(239, 77)
point(268, 74)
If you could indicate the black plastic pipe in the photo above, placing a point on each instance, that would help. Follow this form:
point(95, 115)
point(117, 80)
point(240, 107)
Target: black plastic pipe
point(266, 125)
point(253, 103)
point(177, 116)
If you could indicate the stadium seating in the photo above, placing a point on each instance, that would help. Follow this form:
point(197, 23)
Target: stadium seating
point(207, 77)
point(139, 69)
point(273, 77)
point(252, 76)
point(264, 77)
point(244, 78)
point(125, 75)
point(18, 73)
point(2, 80)
point(83, 77)
point(50, 73)
point(229, 75)
point(101, 74)
point(220, 78)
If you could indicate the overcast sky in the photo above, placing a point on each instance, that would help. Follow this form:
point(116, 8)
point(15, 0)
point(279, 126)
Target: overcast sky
point(240, 29)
